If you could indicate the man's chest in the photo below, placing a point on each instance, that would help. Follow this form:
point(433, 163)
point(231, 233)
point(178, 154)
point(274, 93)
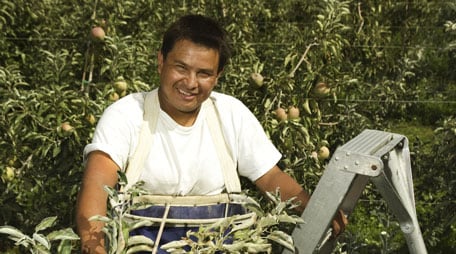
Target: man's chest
point(183, 164)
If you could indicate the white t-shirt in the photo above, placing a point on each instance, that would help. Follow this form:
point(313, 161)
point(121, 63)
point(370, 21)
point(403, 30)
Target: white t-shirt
point(183, 160)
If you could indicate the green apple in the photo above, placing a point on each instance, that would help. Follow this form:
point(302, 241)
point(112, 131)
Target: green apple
point(321, 89)
point(323, 153)
point(257, 79)
point(120, 86)
point(281, 114)
point(114, 96)
point(293, 112)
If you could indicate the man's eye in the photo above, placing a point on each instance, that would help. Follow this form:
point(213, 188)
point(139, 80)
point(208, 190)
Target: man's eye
point(205, 74)
point(180, 67)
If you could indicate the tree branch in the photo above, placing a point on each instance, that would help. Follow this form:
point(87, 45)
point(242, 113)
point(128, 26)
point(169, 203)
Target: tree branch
point(303, 58)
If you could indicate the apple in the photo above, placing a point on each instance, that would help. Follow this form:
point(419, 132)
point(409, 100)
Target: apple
point(257, 79)
point(12, 161)
point(120, 86)
point(9, 173)
point(293, 112)
point(314, 155)
point(323, 153)
point(114, 96)
point(281, 114)
point(321, 89)
point(66, 127)
point(91, 119)
point(97, 33)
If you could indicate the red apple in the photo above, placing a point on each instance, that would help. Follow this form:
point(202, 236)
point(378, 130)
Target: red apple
point(66, 127)
point(97, 33)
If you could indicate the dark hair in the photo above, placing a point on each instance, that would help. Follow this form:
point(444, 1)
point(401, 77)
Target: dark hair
point(200, 30)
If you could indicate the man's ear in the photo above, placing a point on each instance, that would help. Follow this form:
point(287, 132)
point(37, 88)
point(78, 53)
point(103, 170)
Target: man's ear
point(219, 74)
point(160, 61)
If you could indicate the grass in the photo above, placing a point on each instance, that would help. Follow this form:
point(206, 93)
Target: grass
point(416, 132)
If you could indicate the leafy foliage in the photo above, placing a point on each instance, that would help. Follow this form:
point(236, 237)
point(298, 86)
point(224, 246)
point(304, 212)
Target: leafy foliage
point(118, 227)
point(40, 243)
point(252, 235)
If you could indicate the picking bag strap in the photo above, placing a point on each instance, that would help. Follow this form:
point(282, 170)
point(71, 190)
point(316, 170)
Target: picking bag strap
point(149, 124)
point(229, 169)
point(192, 210)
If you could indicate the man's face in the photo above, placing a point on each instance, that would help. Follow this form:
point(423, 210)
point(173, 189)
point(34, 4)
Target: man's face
point(187, 77)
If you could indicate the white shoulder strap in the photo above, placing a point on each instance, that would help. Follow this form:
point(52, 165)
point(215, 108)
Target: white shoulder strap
point(229, 168)
point(151, 112)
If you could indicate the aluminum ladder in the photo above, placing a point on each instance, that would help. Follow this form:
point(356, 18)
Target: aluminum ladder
point(383, 158)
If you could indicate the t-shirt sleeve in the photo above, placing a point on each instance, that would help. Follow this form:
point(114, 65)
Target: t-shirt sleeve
point(255, 153)
point(115, 131)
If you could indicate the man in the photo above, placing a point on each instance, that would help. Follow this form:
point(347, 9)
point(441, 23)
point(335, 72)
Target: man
point(183, 158)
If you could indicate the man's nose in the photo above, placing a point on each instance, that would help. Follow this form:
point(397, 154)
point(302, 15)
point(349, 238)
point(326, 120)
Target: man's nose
point(192, 80)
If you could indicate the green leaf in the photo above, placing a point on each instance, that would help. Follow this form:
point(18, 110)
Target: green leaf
point(280, 207)
point(46, 223)
point(281, 238)
point(100, 218)
point(235, 247)
point(65, 247)
point(141, 223)
point(122, 178)
point(257, 247)
point(63, 234)
point(111, 191)
point(40, 249)
point(285, 218)
point(139, 248)
point(267, 221)
point(174, 244)
point(244, 224)
point(139, 239)
point(55, 151)
point(42, 240)
point(13, 232)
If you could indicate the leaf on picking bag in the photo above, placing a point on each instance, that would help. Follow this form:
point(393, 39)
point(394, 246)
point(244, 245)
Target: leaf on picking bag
point(46, 223)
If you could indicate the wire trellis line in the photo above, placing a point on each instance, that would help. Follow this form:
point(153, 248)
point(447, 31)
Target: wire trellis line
point(249, 43)
point(391, 101)
point(381, 201)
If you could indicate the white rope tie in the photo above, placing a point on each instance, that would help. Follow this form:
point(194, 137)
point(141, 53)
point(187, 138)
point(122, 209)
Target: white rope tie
point(162, 227)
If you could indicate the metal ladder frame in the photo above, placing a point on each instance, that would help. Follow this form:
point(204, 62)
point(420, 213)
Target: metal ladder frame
point(383, 158)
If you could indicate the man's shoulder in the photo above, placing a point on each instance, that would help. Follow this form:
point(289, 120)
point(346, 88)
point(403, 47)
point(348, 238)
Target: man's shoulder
point(230, 106)
point(128, 108)
point(133, 101)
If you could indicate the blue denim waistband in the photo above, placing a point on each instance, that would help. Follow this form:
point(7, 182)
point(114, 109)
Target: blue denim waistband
point(192, 212)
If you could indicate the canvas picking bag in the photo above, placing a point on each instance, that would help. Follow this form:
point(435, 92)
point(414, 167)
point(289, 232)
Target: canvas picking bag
point(182, 213)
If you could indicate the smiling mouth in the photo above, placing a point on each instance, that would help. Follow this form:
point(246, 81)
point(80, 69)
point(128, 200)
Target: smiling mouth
point(186, 94)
